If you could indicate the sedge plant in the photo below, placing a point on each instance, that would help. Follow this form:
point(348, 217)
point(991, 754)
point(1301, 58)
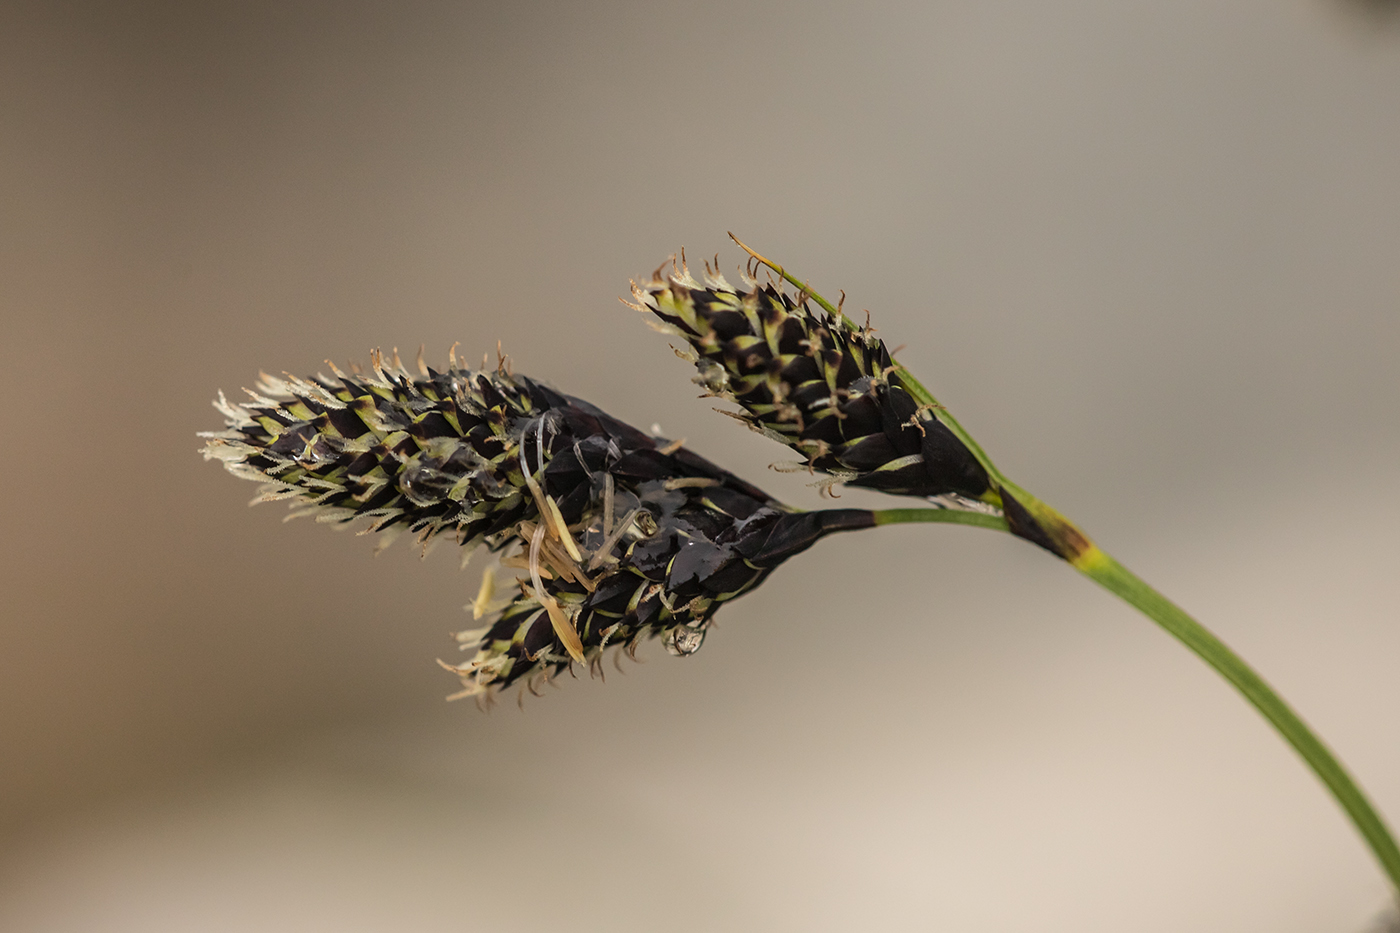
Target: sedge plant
point(615, 536)
point(826, 387)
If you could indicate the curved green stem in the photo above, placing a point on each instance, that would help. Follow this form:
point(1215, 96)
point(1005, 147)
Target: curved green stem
point(1123, 583)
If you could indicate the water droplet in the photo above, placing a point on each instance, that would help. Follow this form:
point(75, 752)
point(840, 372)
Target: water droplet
point(424, 485)
point(683, 640)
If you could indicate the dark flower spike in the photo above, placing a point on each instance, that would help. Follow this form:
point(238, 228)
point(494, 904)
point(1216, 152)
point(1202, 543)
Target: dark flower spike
point(617, 536)
point(815, 381)
point(812, 380)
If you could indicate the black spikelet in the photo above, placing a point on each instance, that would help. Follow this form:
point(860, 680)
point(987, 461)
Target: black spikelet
point(813, 381)
point(617, 535)
point(439, 453)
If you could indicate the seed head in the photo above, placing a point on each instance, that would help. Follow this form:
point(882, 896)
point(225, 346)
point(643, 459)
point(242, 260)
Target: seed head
point(616, 535)
point(811, 380)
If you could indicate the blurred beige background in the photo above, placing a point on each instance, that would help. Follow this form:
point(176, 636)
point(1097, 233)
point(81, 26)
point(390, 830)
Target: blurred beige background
point(1149, 253)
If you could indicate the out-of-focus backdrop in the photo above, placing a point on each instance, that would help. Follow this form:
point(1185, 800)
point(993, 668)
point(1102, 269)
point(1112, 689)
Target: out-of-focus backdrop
point(1148, 253)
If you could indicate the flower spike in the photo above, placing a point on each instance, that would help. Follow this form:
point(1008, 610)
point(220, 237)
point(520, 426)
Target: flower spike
point(617, 536)
point(812, 380)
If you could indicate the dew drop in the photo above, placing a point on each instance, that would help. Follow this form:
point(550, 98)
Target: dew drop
point(683, 640)
point(424, 485)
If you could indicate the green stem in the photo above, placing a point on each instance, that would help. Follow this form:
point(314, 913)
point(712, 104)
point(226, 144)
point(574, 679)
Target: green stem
point(948, 516)
point(1122, 582)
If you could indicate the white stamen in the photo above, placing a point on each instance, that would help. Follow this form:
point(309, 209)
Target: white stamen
point(610, 542)
point(536, 540)
point(484, 595)
point(539, 444)
point(607, 504)
point(538, 493)
point(561, 530)
point(685, 482)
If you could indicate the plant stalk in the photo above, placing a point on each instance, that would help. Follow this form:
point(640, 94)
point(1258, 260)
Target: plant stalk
point(947, 516)
point(1123, 583)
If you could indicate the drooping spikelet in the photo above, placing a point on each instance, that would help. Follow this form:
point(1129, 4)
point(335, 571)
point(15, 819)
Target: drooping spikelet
point(814, 381)
point(616, 536)
point(684, 538)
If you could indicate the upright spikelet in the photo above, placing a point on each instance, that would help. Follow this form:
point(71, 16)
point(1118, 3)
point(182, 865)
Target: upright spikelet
point(813, 381)
point(617, 537)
